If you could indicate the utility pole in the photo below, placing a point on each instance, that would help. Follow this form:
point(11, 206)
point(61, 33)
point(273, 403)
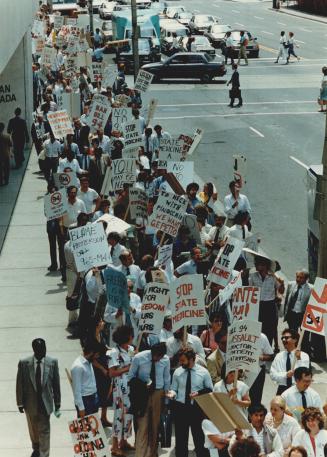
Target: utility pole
point(91, 15)
point(135, 39)
point(322, 196)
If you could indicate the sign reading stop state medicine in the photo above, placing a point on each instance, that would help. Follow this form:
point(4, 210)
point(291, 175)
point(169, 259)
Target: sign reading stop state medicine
point(154, 303)
point(226, 259)
point(246, 303)
point(90, 247)
point(243, 349)
point(313, 319)
point(168, 213)
point(55, 204)
point(187, 301)
point(88, 437)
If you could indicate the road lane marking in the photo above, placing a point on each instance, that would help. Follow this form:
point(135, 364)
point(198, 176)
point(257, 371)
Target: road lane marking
point(216, 6)
point(266, 48)
point(196, 11)
point(284, 102)
point(302, 42)
point(299, 162)
point(268, 33)
point(258, 17)
point(299, 113)
point(242, 25)
point(235, 11)
point(281, 23)
point(257, 132)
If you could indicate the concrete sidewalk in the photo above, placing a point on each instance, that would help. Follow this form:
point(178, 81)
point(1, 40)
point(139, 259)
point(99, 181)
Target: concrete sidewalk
point(300, 14)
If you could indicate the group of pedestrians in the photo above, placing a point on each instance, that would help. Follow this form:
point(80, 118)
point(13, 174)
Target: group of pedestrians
point(286, 47)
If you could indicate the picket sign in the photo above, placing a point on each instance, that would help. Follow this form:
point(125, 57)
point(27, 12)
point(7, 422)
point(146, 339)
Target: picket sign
point(154, 304)
point(55, 204)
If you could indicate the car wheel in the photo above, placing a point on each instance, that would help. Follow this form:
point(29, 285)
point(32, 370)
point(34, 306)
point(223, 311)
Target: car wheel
point(156, 78)
point(206, 78)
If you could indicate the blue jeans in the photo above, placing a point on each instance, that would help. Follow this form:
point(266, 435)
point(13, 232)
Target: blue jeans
point(91, 404)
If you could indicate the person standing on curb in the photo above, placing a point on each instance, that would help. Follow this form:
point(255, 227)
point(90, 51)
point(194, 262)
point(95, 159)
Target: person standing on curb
point(235, 91)
point(283, 46)
point(37, 388)
point(243, 44)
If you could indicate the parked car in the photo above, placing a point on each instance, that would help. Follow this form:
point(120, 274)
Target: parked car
point(65, 7)
point(200, 44)
point(183, 17)
point(148, 52)
point(167, 28)
point(188, 65)
point(172, 10)
point(216, 34)
point(252, 49)
point(143, 4)
point(96, 5)
point(106, 31)
point(200, 23)
point(106, 9)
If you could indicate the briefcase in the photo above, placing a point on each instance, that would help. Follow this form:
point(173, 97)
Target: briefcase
point(234, 93)
point(165, 428)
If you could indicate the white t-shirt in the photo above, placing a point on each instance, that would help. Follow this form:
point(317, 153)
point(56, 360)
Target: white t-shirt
point(242, 389)
point(88, 198)
point(73, 211)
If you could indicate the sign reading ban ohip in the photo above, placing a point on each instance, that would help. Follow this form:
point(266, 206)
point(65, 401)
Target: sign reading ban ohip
point(187, 301)
point(90, 247)
point(168, 213)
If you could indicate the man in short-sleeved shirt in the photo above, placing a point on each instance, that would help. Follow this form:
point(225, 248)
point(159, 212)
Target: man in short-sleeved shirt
point(88, 196)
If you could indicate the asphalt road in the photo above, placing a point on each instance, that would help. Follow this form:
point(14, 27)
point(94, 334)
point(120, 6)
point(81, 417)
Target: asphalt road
point(279, 119)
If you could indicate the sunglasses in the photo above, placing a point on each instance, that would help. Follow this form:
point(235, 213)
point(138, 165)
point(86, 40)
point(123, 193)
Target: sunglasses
point(285, 338)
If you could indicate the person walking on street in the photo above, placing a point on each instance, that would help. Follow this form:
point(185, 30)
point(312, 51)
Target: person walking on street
point(17, 128)
point(37, 388)
point(243, 44)
point(291, 43)
point(229, 47)
point(5, 150)
point(235, 91)
point(283, 46)
point(322, 100)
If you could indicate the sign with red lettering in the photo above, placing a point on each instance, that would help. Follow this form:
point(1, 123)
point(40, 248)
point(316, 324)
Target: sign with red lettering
point(168, 213)
point(246, 303)
point(187, 301)
point(100, 110)
point(225, 262)
point(243, 349)
point(313, 319)
point(55, 204)
point(60, 123)
point(88, 437)
point(155, 301)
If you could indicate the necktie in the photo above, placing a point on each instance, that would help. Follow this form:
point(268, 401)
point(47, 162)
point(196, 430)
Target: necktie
point(288, 367)
point(188, 387)
point(243, 232)
point(112, 250)
point(85, 162)
point(304, 400)
point(294, 298)
point(153, 375)
point(216, 235)
point(38, 381)
point(128, 272)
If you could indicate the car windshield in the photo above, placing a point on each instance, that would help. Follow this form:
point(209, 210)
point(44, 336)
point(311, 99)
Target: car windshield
point(184, 15)
point(106, 26)
point(202, 40)
point(203, 19)
point(220, 28)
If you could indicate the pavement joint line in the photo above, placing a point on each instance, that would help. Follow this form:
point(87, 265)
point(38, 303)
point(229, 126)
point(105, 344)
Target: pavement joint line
point(293, 113)
point(299, 41)
point(256, 132)
point(238, 23)
point(281, 23)
point(299, 162)
point(284, 102)
point(258, 17)
point(236, 11)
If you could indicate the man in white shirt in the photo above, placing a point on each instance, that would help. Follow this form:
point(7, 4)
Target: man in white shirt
point(89, 196)
point(240, 229)
point(229, 46)
point(128, 267)
point(157, 136)
point(70, 163)
point(175, 343)
point(104, 142)
point(52, 148)
point(301, 396)
point(266, 437)
point(148, 143)
point(75, 206)
point(235, 202)
point(217, 234)
point(83, 382)
point(116, 249)
point(285, 362)
point(191, 266)
point(282, 50)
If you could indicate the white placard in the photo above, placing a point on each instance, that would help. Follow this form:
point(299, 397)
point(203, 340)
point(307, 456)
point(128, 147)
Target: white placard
point(154, 304)
point(168, 213)
point(96, 72)
point(58, 21)
point(138, 203)
point(196, 141)
point(60, 123)
point(132, 135)
point(243, 348)
point(71, 66)
point(88, 433)
point(90, 246)
point(153, 103)
point(165, 253)
point(226, 292)
point(38, 28)
point(143, 80)
point(246, 303)
point(48, 56)
point(55, 204)
point(114, 224)
point(187, 301)
point(123, 171)
point(183, 171)
point(64, 180)
point(225, 262)
point(100, 110)
point(120, 116)
point(170, 149)
point(109, 76)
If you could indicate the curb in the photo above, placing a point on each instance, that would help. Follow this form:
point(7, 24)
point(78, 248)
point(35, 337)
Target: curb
point(321, 21)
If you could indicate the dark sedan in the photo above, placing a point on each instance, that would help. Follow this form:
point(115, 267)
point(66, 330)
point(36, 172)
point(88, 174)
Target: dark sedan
point(148, 52)
point(188, 65)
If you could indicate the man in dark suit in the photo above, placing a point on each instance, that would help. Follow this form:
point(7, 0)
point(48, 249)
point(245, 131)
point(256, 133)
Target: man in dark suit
point(37, 388)
point(296, 300)
point(235, 91)
point(17, 128)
